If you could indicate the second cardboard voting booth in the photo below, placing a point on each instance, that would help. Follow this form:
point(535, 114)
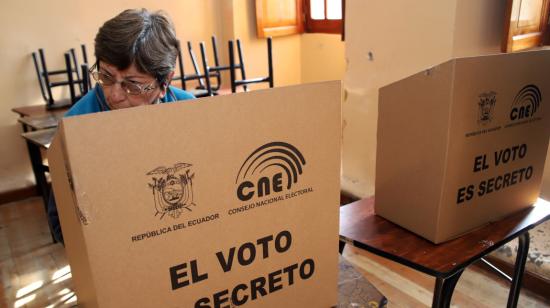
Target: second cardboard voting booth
point(463, 143)
point(217, 202)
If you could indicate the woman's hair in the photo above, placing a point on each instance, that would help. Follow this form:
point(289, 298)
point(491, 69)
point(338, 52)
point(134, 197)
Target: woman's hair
point(141, 37)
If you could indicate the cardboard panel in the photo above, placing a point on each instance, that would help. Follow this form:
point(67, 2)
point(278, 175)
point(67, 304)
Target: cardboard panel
point(64, 194)
point(492, 151)
point(493, 116)
point(200, 203)
point(411, 149)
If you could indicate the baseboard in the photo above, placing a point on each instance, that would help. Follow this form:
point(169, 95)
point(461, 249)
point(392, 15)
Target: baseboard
point(531, 281)
point(18, 194)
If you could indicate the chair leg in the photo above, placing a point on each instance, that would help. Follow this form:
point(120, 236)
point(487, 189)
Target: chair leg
point(270, 62)
point(241, 63)
point(75, 65)
point(216, 63)
point(195, 64)
point(85, 79)
point(180, 67)
point(46, 77)
point(70, 77)
point(39, 76)
point(205, 69)
point(232, 66)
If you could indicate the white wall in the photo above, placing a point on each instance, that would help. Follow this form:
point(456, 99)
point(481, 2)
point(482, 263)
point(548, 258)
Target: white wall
point(385, 41)
point(57, 26)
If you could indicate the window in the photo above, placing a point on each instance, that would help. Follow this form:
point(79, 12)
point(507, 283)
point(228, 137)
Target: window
point(285, 17)
point(323, 16)
point(278, 17)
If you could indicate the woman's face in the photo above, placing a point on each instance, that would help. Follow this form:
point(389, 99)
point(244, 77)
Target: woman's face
point(117, 96)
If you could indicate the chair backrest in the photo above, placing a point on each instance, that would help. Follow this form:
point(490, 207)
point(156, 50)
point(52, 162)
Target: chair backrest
point(46, 85)
point(184, 78)
point(75, 65)
point(83, 77)
point(195, 64)
point(214, 71)
point(244, 81)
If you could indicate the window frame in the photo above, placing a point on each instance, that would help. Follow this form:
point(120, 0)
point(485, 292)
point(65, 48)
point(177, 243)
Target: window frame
point(331, 26)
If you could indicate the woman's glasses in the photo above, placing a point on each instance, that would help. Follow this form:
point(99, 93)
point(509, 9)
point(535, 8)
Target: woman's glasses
point(129, 86)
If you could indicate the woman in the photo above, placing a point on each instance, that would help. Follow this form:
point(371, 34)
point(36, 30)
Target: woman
point(136, 55)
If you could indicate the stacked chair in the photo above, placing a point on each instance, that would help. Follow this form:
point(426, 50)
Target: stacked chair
point(209, 78)
point(75, 76)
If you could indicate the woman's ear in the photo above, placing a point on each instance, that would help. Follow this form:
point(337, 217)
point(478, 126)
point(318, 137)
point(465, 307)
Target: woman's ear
point(165, 84)
point(169, 79)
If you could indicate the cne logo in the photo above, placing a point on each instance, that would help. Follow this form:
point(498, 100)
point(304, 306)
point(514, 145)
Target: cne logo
point(486, 105)
point(172, 189)
point(526, 103)
point(270, 168)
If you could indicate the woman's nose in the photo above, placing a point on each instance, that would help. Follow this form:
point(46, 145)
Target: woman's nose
point(117, 92)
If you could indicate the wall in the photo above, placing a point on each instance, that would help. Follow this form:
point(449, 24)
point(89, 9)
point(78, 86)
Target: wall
point(385, 41)
point(323, 57)
point(286, 49)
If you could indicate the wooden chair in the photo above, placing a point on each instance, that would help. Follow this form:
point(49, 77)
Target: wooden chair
point(244, 81)
point(198, 92)
point(206, 71)
point(71, 68)
point(214, 71)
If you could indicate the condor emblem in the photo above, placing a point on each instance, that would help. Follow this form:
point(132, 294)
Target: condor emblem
point(172, 189)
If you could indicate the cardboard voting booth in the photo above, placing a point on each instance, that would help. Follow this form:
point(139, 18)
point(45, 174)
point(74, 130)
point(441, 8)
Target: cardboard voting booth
point(216, 202)
point(463, 143)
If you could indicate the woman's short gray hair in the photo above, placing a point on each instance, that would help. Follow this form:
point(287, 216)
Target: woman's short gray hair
point(141, 37)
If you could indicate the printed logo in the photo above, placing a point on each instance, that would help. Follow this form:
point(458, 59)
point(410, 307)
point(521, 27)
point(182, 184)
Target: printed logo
point(487, 102)
point(268, 169)
point(526, 103)
point(172, 189)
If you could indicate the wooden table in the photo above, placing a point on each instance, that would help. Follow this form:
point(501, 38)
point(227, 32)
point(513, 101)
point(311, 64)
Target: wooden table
point(38, 122)
point(35, 118)
point(37, 110)
point(36, 142)
point(360, 227)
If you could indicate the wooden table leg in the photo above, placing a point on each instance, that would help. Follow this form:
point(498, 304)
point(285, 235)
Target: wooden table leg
point(443, 290)
point(523, 249)
point(40, 176)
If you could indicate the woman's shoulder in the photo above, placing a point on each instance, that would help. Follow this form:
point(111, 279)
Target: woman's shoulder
point(87, 104)
point(180, 94)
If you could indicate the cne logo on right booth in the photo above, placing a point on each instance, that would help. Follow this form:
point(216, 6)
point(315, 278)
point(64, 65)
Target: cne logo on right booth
point(526, 103)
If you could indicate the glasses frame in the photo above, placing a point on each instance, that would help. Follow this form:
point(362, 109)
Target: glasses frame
point(143, 88)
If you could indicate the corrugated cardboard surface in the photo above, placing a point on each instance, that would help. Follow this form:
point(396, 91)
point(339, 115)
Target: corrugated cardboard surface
point(442, 101)
point(411, 148)
point(117, 159)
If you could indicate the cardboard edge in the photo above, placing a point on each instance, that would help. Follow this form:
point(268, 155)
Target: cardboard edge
point(437, 237)
point(76, 248)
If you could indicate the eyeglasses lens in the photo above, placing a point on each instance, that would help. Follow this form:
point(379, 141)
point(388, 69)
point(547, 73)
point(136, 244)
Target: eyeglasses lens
point(106, 80)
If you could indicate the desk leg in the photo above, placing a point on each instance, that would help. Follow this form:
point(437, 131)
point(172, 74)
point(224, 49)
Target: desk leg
point(443, 291)
point(40, 176)
point(523, 249)
point(38, 169)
